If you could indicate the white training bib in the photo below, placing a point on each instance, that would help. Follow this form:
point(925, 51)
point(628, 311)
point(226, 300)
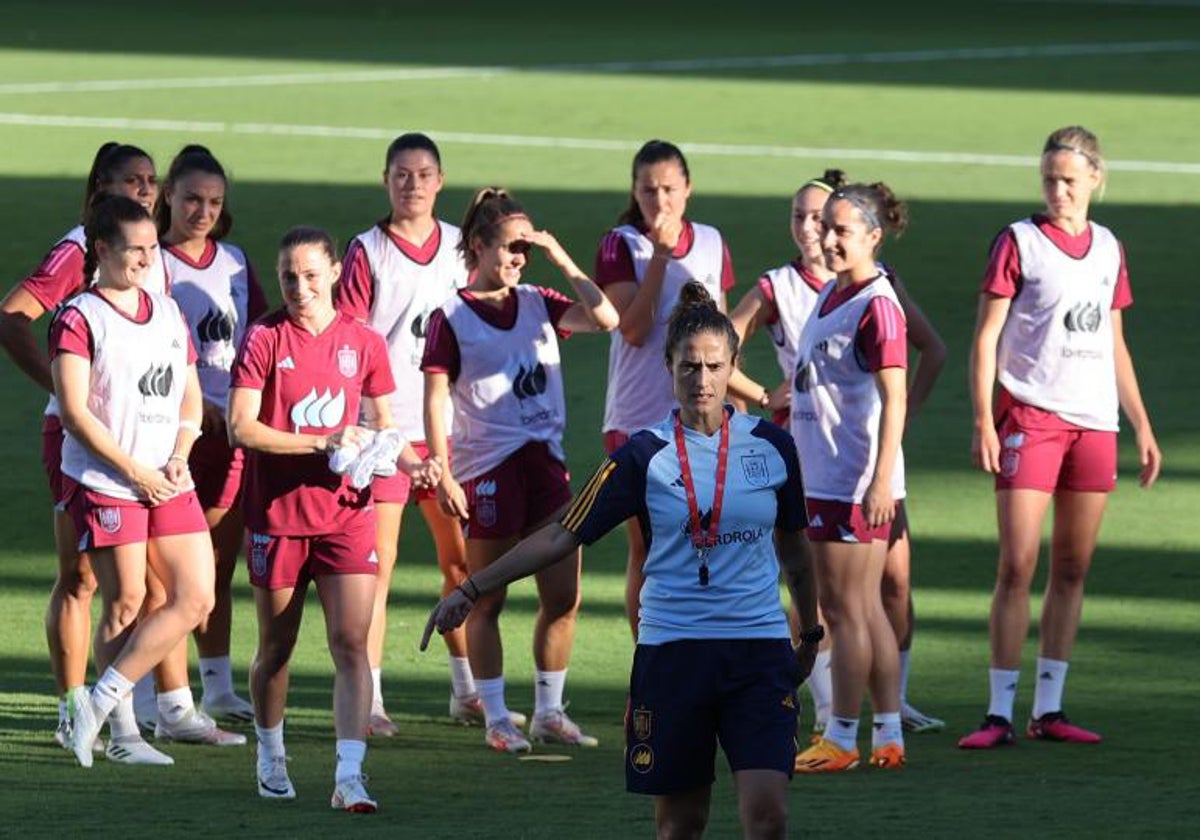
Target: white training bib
point(795, 301)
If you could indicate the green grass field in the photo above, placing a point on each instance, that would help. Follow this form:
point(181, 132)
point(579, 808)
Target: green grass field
point(949, 105)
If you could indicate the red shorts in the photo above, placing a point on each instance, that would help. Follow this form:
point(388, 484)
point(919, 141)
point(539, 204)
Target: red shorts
point(526, 489)
point(397, 489)
point(217, 471)
point(283, 562)
point(1041, 451)
point(52, 441)
point(830, 520)
point(103, 521)
point(614, 440)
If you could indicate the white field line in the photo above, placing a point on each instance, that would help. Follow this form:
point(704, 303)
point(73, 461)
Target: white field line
point(664, 66)
point(573, 143)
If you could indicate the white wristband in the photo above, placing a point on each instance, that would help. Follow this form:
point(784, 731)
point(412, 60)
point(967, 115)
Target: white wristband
point(192, 425)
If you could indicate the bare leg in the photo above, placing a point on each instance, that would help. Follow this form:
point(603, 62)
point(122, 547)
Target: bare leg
point(558, 606)
point(225, 527)
point(682, 816)
point(484, 647)
point(279, 613)
point(68, 615)
point(762, 803)
point(346, 600)
point(1019, 514)
point(388, 516)
point(452, 560)
point(1077, 519)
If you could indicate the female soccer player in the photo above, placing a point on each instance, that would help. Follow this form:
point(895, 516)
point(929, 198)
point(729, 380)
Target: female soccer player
point(394, 276)
point(118, 169)
point(1050, 330)
point(301, 379)
point(782, 301)
point(714, 659)
point(848, 409)
point(125, 378)
point(641, 265)
point(215, 287)
point(493, 347)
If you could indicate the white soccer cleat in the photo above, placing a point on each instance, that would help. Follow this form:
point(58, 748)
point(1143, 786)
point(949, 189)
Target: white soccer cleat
point(273, 781)
point(195, 727)
point(381, 725)
point(85, 726)
point(228, 707)
point(914, 720)
point(554, 727)
point(503, 736)
point(468, 710)
point(350, 795)
point(377, 458)
point(133, 749)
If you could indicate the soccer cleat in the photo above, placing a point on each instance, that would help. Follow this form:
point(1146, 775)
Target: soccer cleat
point(1054, 726)
point(85, 726)
point(826, 757)
point(195, 727)
point(995, 731)
point(818, 732)
point(504, 736)
point(350, 795)
point(888, 757)
point(377, 458)
point(554, 727)
point(228, 707)
point(468, 710)
point(133, 749)
point(381, 725)
point(273, 781)
point(914, 720)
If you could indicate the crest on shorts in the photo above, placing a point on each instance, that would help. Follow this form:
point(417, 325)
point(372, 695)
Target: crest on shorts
point(754, 468)
point(642, 719)
point(259, 544)
point(485, 512)
point(641, 758)
point(347, 361)
point(1010, 462)
point(109, 519)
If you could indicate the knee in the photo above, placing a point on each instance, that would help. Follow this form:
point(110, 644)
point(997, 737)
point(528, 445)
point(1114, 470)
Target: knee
point(1068, 573)
point(765, 818)
point(488, 608)
point(347, 647)
point(78, 584)
point(273, 655)
point(123, 609)
point(562, 604)
point(687, 825)
point(1015, 575)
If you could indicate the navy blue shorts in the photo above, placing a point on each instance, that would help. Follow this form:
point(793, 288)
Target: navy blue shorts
point(686, 696)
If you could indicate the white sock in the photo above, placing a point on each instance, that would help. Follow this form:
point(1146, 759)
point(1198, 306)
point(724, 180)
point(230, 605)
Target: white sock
point(109, 690)
point(216, 676)
point(548, 691)
point(62, 708)
point(886, 729)
point(122, 723)
point(904, 658)
point(270, 741)
point(843, 732)
point(820, 686)
point(143, 698)
point(350, 755)
point(1004, 692)
point(174, 705)
point(462, 681)
point(376, 690)
point(1051, 679)
point(491, 693)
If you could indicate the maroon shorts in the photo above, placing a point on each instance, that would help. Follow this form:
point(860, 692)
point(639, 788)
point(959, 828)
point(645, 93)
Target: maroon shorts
point(52, 441)
point(217, 471)
point(397, 489)
point(830, 520)
point(283, 562)
point(614, 440)
point(103, 521)
point(1040, 451)
point(526, 489)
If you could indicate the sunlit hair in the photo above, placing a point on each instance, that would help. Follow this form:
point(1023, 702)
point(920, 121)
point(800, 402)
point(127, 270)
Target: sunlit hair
point(1077, 139)
point(652, 152)
point(108, 163)
point(876, 204)
point(191, 158)
point(308, 235)
point(412, 141)
point(696, 312)
point(103, 222)
point(490, 208)
point(830, 180)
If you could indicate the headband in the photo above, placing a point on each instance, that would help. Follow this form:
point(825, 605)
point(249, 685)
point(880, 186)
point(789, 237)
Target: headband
point(1063, 147)
point(818, 183)
point(863, 207)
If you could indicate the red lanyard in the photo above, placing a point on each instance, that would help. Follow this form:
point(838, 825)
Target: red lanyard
point(702, 541)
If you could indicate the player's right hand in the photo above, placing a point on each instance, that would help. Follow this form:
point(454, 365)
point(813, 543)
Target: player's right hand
point(152, 484)
point(450, 612)
point(985, 448)
point(452, 498)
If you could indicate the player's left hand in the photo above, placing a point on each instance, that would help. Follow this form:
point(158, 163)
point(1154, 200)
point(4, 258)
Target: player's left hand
point(878, 506)
point(1150, 456)
point(427, 473)
point(450, 612)
point(806, 657)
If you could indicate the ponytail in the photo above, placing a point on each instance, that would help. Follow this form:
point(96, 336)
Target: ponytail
point(489, 209)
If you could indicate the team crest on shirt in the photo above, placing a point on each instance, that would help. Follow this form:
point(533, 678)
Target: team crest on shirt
point(347, 361)
point(109, 519)
point(754, 469)
point(642, 719)
point(259, 545)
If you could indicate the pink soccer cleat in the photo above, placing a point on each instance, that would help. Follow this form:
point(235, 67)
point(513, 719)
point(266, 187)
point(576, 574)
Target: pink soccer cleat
point(1054, 726)
point(994, 732)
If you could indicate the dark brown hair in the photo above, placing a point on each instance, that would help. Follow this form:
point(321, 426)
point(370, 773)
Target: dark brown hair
point(696, 312)
point(103, 222)
point(877, 204)
point(110, 159)
point(192, 158)
point(308, 235)
point(489, 209)
point(652, 152)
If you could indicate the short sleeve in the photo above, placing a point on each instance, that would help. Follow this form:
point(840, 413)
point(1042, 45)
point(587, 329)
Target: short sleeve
point(441, 347)
point(728, 280)
point(615, 492)
point(1003, 274)
point(882, 340)
point(557, 305)
point(766, 291)
point(70, 333)
point(355, 291)
point(256, 299)
point(377, 380)
point(253, 363)
point(58, 276)
point(192, 355)
point(791, 512)
point(1123, 292)
point(614, 263)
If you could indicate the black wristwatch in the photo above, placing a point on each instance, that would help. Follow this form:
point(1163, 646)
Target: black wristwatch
point(812, 636)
